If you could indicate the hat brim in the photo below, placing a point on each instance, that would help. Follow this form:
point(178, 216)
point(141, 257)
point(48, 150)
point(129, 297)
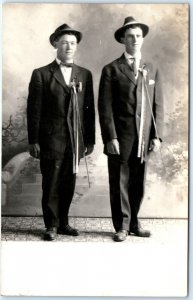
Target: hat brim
point(119, 32)
point(54, 36)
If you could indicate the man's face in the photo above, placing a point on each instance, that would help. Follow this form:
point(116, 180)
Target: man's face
point(133, 40)
point(66, 47)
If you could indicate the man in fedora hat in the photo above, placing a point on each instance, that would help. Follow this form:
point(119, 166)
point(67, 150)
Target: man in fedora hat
point(131, 116)
point(61, 127)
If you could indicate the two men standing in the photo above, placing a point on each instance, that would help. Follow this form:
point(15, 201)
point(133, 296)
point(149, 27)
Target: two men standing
point(61, 126)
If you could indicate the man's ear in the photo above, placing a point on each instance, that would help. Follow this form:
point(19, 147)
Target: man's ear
point(122, 40)
point(55, 44)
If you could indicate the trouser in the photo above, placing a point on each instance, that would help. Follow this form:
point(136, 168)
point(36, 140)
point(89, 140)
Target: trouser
point(58, 185)
point(126, 181)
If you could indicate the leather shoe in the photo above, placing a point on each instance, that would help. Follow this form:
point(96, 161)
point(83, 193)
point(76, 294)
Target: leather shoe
point(68, 230)
point(120, 235)
point(138, 231)
point(50, 234)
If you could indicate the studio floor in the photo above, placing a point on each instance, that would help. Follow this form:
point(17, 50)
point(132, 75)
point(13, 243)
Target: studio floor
point(164, 231)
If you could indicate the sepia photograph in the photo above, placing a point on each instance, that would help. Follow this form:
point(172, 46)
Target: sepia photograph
point(95, 139)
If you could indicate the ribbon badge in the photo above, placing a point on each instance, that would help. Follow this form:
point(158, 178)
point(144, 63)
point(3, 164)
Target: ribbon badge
point(144, 71)
point(77, 86)
point(141, 143)
point(75, 123)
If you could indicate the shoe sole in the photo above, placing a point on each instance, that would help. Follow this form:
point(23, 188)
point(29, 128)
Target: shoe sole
point(70, 234)
point(49, 239)
point(133, 233)
point(119, 240)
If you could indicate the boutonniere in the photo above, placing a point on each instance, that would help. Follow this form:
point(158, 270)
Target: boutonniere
point(144, 71)
point(76, 85)
point(79, 86)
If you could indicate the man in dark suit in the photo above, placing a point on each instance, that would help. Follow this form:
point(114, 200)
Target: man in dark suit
point(131, 115)
point(61, 127)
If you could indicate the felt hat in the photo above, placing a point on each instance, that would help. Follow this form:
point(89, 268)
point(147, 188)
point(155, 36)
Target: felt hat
point(129, 21)
point(62, 30)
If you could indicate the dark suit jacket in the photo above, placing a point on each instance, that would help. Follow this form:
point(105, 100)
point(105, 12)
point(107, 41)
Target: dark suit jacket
point(120, 104)
point(47, 109)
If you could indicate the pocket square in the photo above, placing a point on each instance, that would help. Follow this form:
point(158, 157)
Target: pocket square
point(151, 81)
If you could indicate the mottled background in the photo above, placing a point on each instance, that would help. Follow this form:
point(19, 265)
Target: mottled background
point(26, 31)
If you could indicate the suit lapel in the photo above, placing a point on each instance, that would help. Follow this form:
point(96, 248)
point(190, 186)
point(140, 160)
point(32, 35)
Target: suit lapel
point(145, 66)
point(142, 63)
point(57, 74)
point(125, 69)
point(75, 73)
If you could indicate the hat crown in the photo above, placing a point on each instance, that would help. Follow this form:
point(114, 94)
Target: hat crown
point(62, 27)
point(129, 20)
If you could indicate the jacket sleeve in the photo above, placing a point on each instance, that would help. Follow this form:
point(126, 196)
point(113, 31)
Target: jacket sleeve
point(158, 108)
point(89, 112)
point(34, 104)
point(105, 106)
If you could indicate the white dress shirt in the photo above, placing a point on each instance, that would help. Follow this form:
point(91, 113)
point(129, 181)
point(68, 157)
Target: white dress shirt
point(66, 71)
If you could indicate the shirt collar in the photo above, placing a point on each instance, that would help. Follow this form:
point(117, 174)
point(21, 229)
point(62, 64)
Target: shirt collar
point(59, 61)
point(128, 56)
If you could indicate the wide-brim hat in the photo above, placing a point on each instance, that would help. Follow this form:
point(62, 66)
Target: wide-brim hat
point(129, 21)
point(62, 30)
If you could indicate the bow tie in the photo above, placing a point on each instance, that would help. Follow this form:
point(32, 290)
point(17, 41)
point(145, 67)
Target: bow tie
point(67, 65)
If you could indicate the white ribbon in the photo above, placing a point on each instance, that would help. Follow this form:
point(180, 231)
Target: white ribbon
point(141, 144)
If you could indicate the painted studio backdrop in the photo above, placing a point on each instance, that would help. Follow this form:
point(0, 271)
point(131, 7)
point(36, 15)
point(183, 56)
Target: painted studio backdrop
point(26, 31)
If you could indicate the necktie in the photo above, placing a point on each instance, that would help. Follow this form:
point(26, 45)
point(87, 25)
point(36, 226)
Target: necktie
point(68, 65)
point(134, 66)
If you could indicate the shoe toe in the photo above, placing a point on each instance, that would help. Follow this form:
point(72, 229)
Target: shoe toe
point(50, 234)
point(140, 232)
point(68, 230)
point(120, 236)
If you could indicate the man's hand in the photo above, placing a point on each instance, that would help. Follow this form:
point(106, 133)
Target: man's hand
point(34, 150)
point(113, 147)
point(89, 149)
point(155, 145)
